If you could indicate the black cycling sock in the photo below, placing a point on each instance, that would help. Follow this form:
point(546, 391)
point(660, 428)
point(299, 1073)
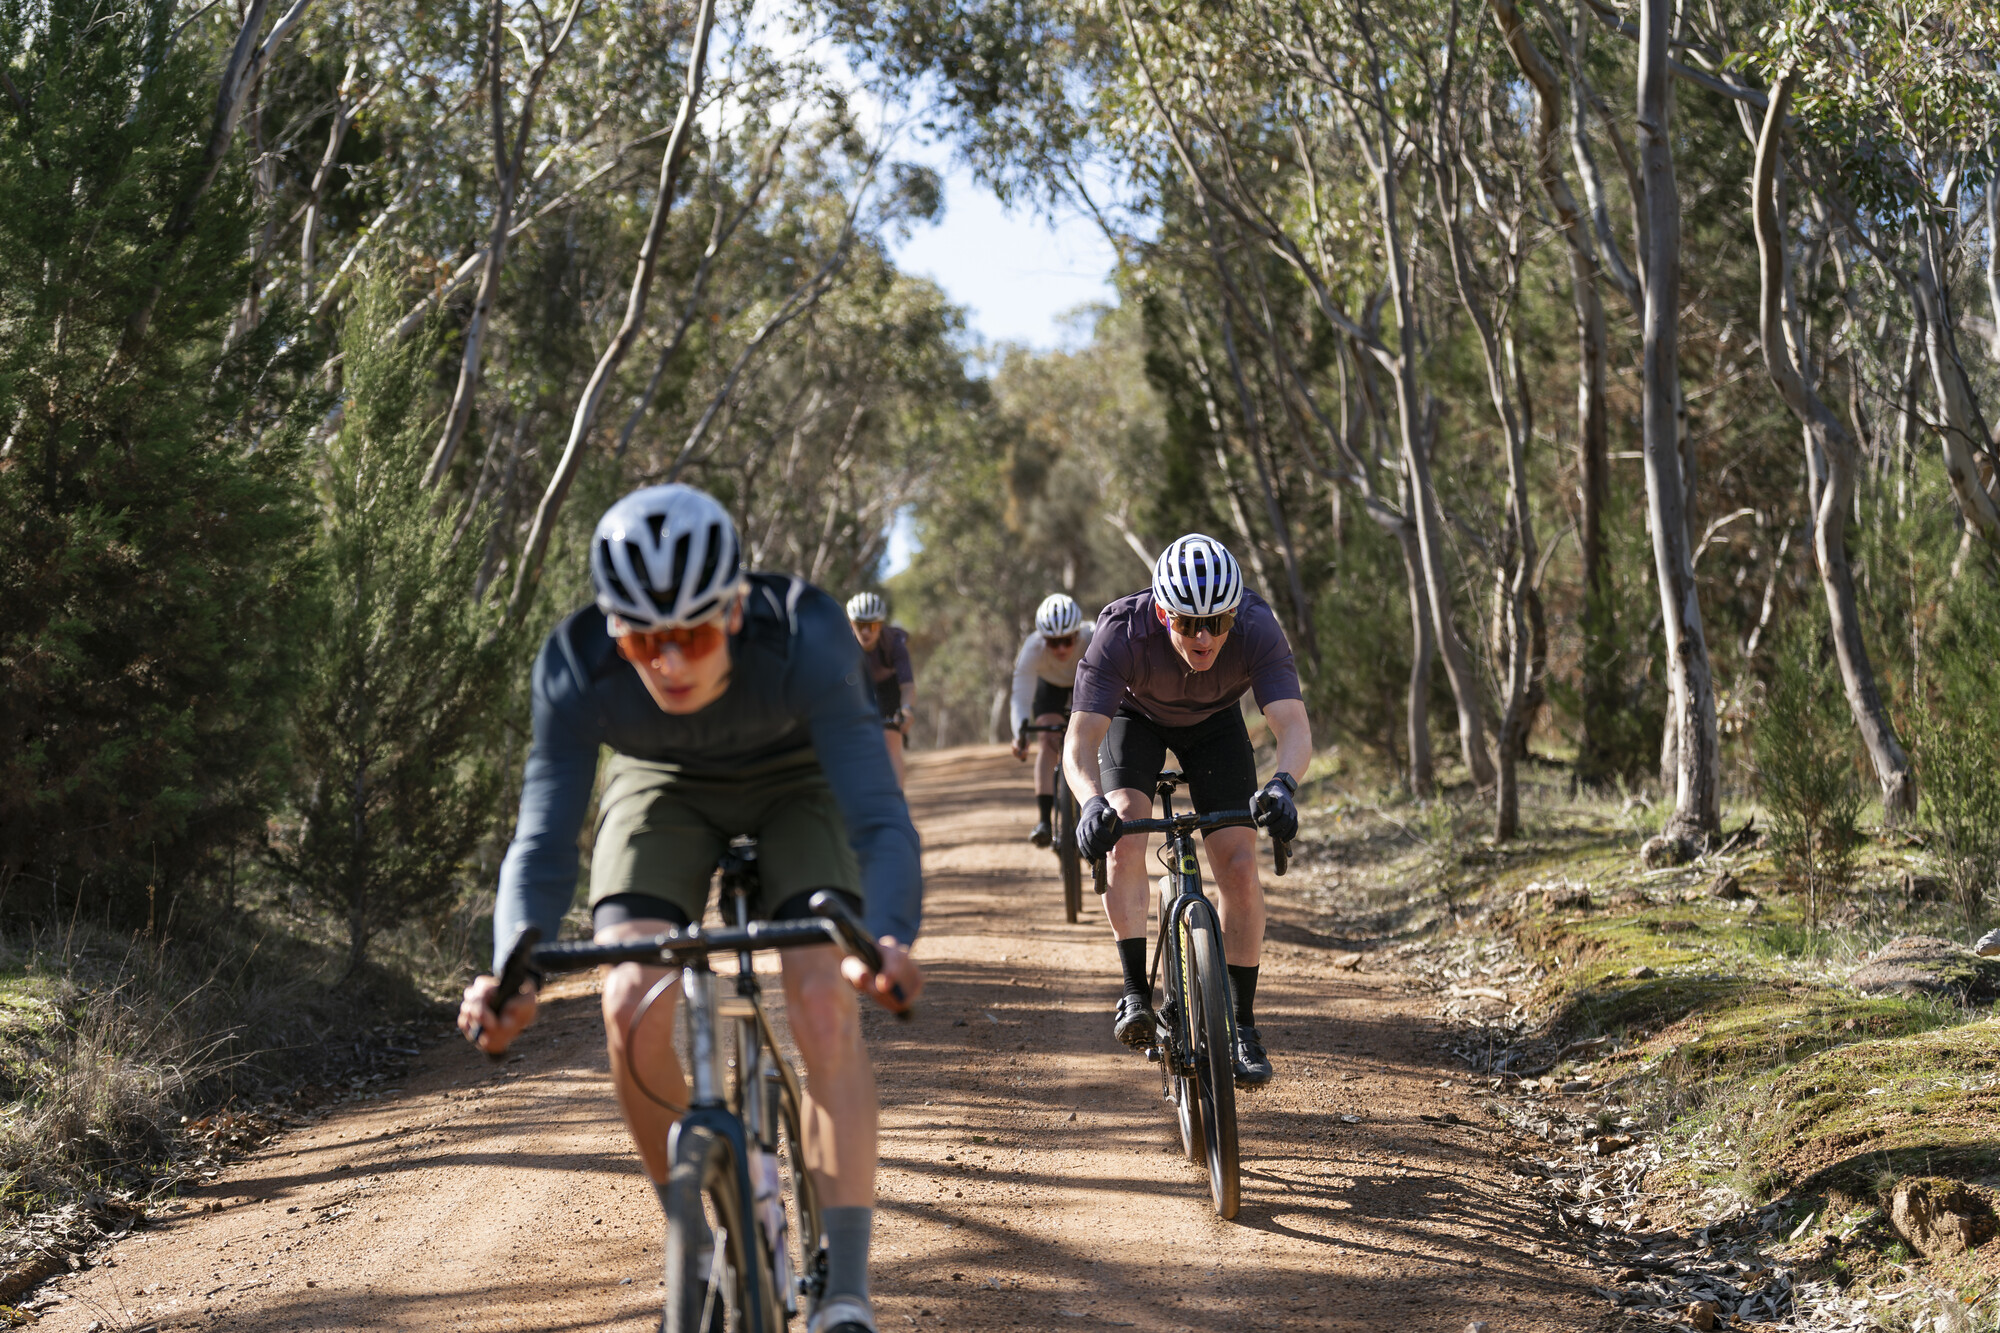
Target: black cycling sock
point(847, 1235)
point(1132, 960)
point(1243, 980)
point(1048, 807)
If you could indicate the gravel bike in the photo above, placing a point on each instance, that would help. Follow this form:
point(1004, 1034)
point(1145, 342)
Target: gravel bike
point(1196, 1026)
point(1067, 855)
point(738, 1260)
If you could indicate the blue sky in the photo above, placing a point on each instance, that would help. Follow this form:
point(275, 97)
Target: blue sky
point(1016, 273)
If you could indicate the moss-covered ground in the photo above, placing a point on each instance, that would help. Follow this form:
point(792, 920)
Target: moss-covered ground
point(1728, 1028)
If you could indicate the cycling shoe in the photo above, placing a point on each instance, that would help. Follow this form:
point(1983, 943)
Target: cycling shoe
point(1134, 1024)
point(1042, 835)
point(1253, 1067)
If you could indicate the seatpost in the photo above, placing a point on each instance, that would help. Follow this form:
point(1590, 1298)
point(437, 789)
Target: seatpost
point(698, 986)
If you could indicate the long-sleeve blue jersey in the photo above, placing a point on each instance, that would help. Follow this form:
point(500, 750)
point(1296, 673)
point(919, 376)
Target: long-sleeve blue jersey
point(796, 683)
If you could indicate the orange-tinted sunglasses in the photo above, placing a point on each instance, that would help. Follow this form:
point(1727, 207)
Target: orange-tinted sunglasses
point(694, 642)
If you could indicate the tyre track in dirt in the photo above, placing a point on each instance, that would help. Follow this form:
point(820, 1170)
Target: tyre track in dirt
point(1031, 1173)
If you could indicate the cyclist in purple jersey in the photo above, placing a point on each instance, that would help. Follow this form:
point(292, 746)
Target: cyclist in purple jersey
point(885, 651)
point(1165, 672)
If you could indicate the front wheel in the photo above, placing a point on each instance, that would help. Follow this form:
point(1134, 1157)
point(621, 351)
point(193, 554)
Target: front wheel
point(718, 1276)
point(1214, 1058)
point(1067, 854)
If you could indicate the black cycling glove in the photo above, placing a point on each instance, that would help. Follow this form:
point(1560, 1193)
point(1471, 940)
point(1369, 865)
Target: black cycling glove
point(1275, 811)
point(1097, 829)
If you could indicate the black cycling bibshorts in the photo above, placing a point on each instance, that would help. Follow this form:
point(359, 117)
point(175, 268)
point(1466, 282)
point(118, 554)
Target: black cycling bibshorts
point(1049, 699)
point(889, 698)
point(1214, 754)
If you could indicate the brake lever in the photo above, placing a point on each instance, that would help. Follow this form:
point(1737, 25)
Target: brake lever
point(833, 909)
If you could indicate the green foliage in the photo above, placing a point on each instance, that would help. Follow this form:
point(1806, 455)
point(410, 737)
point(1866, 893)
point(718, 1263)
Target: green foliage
point(393, 793)
point(1804, 750)
point(1893, 92)
point(1957, 744)
point(1360, 692)
point(150, 571)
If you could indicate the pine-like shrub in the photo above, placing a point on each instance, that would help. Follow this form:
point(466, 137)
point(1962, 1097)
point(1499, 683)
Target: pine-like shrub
point(151, 522)
point(1804, 749)
point(1957, 742)
point(393, 787)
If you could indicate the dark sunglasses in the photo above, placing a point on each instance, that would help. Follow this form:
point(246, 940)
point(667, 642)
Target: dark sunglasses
point(1065, 641)
point(1189, 626)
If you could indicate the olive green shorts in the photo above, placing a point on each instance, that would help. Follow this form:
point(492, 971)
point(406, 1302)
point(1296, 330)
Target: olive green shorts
point(660, 831)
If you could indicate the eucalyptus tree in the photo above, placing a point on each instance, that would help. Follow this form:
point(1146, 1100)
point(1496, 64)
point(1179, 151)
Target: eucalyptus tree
point(1832, 455)
point(1491, 191)
point(1360, 89)
point(1899, 111)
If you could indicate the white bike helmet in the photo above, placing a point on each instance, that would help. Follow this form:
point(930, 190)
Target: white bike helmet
point(866, 606)
point(665, 556)
point(1196, 576)
point(1058, 616)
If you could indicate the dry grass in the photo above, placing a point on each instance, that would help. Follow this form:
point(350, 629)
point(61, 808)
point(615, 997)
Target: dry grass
point(107, 1042)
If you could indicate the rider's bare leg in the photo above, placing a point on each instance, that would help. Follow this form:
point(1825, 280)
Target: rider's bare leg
point(650, 1050)
point(1048, 755)
point(840, 1109)
point(1232, 858)
point(1125, 898)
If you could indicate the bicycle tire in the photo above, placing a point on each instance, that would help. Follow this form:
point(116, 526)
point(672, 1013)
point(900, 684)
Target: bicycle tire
point(1180, 1089)
point(810, 1259)
point(1215, 1063)
point(1068, 856)
point(716, 1258)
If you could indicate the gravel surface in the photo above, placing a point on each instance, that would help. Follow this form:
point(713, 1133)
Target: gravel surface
point(1031, 1178)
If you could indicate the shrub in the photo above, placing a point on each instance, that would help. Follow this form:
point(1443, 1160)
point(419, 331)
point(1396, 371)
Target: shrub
point(393, 792)
point(1961, 798)
point(149, 570)
point(1957, 737)
point(1805, 754)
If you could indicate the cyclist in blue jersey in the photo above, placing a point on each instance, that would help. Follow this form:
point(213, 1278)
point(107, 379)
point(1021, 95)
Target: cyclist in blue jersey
point(733, 704)
point(1166, 671)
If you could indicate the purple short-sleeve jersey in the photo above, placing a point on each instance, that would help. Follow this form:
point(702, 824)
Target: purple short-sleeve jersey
point(1132, 662)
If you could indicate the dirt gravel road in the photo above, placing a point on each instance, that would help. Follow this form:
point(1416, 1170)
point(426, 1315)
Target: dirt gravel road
point(1032, 1175)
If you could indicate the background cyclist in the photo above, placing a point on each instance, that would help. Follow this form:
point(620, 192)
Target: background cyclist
point(1164, 672)
point(1044, 672)
point(886, 650)
point(732, 705)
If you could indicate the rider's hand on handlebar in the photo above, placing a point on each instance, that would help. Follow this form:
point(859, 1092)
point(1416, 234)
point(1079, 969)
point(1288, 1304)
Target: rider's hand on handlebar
point(496, 1034)
point(1275, 810)
point(899, 983)
point(1097, 829)
point(1021, 745)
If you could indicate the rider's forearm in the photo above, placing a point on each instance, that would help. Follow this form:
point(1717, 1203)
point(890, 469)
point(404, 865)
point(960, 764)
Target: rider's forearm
point(1086, 733)
point(1292, 733)
point(910, 697)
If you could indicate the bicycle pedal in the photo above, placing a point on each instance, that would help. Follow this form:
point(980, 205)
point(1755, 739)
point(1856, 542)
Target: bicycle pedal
point(1152, 1055)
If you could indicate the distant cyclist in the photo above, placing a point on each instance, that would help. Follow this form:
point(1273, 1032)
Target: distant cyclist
point(1165, 672)
point(1044, 672)
point(885, 648)
point(733, 705)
